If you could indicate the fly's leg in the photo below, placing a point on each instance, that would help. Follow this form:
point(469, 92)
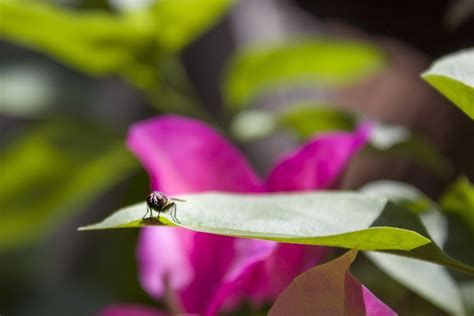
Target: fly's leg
point(173, 214)
point(147, 210)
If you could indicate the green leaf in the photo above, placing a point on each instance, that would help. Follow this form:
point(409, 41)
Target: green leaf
point(50, 173)
point(341, 219)
point(459, 200)
point(324, 62)
point(178, 22)
point(453, 76)
point(421, 277)
point(426, 279)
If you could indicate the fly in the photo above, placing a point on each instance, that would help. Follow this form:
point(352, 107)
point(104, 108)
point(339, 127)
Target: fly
point(159, 202)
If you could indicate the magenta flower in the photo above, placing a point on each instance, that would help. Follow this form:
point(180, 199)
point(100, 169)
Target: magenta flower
point(207, 272)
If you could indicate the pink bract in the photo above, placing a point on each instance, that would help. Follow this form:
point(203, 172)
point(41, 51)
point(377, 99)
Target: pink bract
point(208, 272)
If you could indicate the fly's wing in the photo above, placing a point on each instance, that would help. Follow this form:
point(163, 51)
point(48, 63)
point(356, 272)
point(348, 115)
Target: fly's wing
point(168, 207)
point(177, 200)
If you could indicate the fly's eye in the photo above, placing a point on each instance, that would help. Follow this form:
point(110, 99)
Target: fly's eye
point(151, 200)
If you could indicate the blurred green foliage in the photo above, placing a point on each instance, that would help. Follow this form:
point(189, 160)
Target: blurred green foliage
point(53, 171)
point(94, 42)
point(316, 62)
point(134, 44)
point(309, 119)
point(459, 200)
point(178, 22)
point(419, 150)
point(98, 42)
point(458, 205)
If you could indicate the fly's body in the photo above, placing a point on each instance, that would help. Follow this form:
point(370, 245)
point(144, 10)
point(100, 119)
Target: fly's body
point(159, 202)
